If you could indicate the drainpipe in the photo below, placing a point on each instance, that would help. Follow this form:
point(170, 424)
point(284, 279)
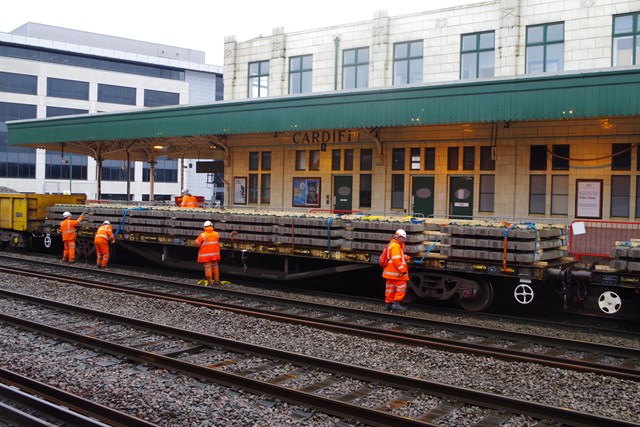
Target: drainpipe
point(335, 71)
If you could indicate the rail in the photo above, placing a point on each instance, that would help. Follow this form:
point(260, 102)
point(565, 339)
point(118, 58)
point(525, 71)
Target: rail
point(597, 238)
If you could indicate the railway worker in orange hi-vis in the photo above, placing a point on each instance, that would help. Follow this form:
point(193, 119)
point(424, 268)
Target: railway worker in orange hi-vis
point(103, 237)
point(68, 230)
point(188, 201)
point(209, 254)
point(396, 272)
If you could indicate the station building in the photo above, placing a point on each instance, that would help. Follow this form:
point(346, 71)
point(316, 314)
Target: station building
point(502, 109)
point(48, 71)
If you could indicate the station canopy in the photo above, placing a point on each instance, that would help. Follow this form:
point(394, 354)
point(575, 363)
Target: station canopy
point(203, 131)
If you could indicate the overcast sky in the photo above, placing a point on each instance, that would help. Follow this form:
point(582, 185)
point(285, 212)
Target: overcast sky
point(202, 24)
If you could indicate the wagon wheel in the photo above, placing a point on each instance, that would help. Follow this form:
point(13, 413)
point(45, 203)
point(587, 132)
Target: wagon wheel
point(84, 248)
point(482, 300)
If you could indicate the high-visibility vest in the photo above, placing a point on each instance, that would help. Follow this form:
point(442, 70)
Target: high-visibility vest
point(105, 232)
point(397, 264)
point(189, 201)
point(68, 228)
point(209, 245)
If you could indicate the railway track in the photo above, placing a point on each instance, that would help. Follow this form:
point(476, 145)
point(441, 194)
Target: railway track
point(610, 360)
point(377, 397)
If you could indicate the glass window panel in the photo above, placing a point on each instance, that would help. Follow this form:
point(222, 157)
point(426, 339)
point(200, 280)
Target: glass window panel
point(265, 189)
point(254, 160)
point(537, 194)
point(307, 61)
point(397, 159)
point(469, 158)
point(555, 58)
point(415, 71)
point(415, 49)
point(487, 193)
point(314, 160)
point(266, 160)
point(397, 191)
point(561, 155)
point(400, 51)
point(468, 66)
point(487, 163)
point(306, 82)
point(253, 188)
point(555, 32)
point(254, 68)
point(429, 158)
point(363, 54)
point(452, 158)
point(348, 159)
point(487, 40)
point(622, 24)
point(349, 79)
point(535, 34)
point(335, 160)
point(469, 42)
point(301, 160)
point(365, 190)
point(538, 158)
point(535, 59)
point(366, 159)
point(623, 51)
point(560, 195)
point(621, 157)
point(363, 76)
point(486, 64)
point(400, 73)
point(416, 161)
point(295, 63)
point(349, 57)
point(18, 83)
point(620, 196)
point(295, 80)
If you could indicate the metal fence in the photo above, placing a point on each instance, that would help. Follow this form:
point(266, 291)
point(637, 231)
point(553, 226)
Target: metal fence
point(597, 238)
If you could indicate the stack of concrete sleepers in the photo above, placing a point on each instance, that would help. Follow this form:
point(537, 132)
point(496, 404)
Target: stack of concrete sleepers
point(525, 244)
point(626, 256)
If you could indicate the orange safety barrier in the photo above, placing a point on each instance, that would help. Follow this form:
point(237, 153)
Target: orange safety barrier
point(600, 237)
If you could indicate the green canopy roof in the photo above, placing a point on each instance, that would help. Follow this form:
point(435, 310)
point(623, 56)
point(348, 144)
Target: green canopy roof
point(607, 93)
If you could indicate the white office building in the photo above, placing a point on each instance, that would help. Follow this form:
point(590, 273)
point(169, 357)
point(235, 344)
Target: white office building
point(48, 71)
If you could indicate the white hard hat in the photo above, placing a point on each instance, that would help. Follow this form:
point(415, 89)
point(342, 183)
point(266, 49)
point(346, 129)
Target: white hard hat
point(208, 224)
point(106, 223)
point(66, 215)
point(185, 191)
point(401, 233)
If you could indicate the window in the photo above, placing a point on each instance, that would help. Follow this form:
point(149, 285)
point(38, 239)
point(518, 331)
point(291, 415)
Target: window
point(97, 63)
point(469, 158)
point(545, 48)
point(58, 167)
point(265, 188)
point(626, 30)
point(487, 160)
point(266, 160)
point(300, 68)
point(18, 83)
point(166, 170)
point(559, 194)
point(407, 63)
point(397, 191)
point(430, 158)
point(538, 158)
point(397, 159)
point(415, 159)
point(477, 55)
point(61, 111)
point(336, 160)
point(638, 196)
point(254, 159)
point(348, 159)
point(560, 160)
point(620, 196)
point(621, 157)
point(452, 158)
point(301, 160)
point(16, 162)
point(258, 79)
point(487, 193)
point(253, 188)
point(116, 170)
point(537, 194)
point(116, 94)
point(72, 89)
point(366, 159)
point(355, 68)
point(158, 98)
point(314, 160)
point(365, 190)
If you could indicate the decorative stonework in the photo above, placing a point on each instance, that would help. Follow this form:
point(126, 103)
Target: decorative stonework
point(587, 3)
point(441, 22)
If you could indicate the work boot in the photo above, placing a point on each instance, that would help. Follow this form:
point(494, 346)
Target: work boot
point(388, 306)
point(396, 306)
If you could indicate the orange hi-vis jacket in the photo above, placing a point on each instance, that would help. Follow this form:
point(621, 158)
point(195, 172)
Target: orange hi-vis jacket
point(68, 228)
point(397, 267)
point(209, 245)
point(189, 201)
point(105, 232)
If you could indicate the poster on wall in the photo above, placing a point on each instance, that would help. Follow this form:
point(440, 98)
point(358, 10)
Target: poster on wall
point(306, 192)
point(240, 190)
point(589, 198)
